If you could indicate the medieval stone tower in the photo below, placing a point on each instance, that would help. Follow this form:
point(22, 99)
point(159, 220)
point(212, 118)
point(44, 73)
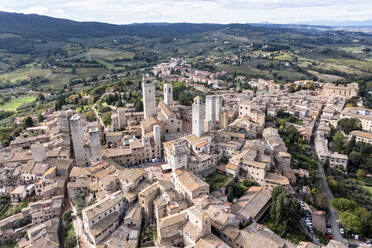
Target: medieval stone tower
point(122, 121)
point(197, 117)
point(77, 136)
point(224, 120)
point(218, 107)
point(168, 94)
point(180, 156)
point(157, 140)
point(210, 111)
point(38, 152)
point(95, 144)
point(149, 101)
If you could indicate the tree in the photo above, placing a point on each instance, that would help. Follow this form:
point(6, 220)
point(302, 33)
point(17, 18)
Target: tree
point(326, 163)
point(185, 99)
point(351, 145)
point(333, 184)
point(343, 204)
point(40, 97)
point(70, 240)
point(230, 194)
point(106, 118)
point(351, 222)
point(349, 125)
point(366, 218)
point(285, 210)
point(321, 201)
point(120, 103)
point(355, 159)
point(27, 122)
point(361, 173)
point(40, 117)
point(338, 143)
point(67, 215)
point(138, 105)
point(90, 115)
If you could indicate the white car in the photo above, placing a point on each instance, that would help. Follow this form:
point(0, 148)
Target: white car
point(342, 231)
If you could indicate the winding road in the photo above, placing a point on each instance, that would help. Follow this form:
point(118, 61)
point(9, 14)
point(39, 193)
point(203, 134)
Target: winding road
point(333, 219)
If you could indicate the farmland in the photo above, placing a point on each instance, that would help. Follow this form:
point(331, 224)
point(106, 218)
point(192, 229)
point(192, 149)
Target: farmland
point(16, 102)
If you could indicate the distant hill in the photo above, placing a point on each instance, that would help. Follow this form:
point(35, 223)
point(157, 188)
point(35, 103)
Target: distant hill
point(44, 27)
point(20, 33)
point(346, 23)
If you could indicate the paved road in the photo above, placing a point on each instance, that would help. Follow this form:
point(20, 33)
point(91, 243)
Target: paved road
point(98, 117)
point(333, 219)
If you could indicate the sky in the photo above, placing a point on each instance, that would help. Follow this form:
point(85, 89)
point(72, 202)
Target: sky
point(195, 11)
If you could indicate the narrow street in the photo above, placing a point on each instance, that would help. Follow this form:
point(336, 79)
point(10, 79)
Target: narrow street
point(333, 219)
point(98, 117)
point(80, 235)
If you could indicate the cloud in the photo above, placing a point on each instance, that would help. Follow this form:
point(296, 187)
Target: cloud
point(6, 9)
point(40, 10)
point(58, 11)
point(213, 11)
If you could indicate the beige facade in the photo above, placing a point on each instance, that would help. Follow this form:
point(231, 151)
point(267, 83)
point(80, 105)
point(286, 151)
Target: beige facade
point(362, 136)
point(364, 115)
point(102, 218)
point(184, 228)
point(189, 185)
point(191, 152)
point(338, 160)
point(42, 211)
point(347, 91)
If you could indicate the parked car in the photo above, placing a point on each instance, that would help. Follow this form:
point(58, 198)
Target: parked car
point(329, 237)
point(342, 231)
point(329, 230)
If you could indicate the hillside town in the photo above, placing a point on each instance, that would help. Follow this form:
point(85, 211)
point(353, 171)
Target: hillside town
point(207, 175)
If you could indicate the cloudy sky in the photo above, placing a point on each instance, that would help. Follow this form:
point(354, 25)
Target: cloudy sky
point(197, 11)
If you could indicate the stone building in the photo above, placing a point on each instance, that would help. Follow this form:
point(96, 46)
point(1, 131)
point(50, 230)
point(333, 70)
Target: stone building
point(362, 136)
point(189, 185)
point(168, 94)
point(347, 91)
point(95, 144)
point(197, 117)
point(149, 101)
point(184, 228)
point(78, 142)
point(102, 218)
point(364, 115)
point(338, 160)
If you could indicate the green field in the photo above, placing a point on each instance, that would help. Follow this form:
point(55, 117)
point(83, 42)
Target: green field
point(15, 103)
point(285, 57)
point(23, 74)
point(363, 65)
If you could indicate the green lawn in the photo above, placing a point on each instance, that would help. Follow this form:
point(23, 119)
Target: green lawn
point(15, 103)
point(216, 181)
